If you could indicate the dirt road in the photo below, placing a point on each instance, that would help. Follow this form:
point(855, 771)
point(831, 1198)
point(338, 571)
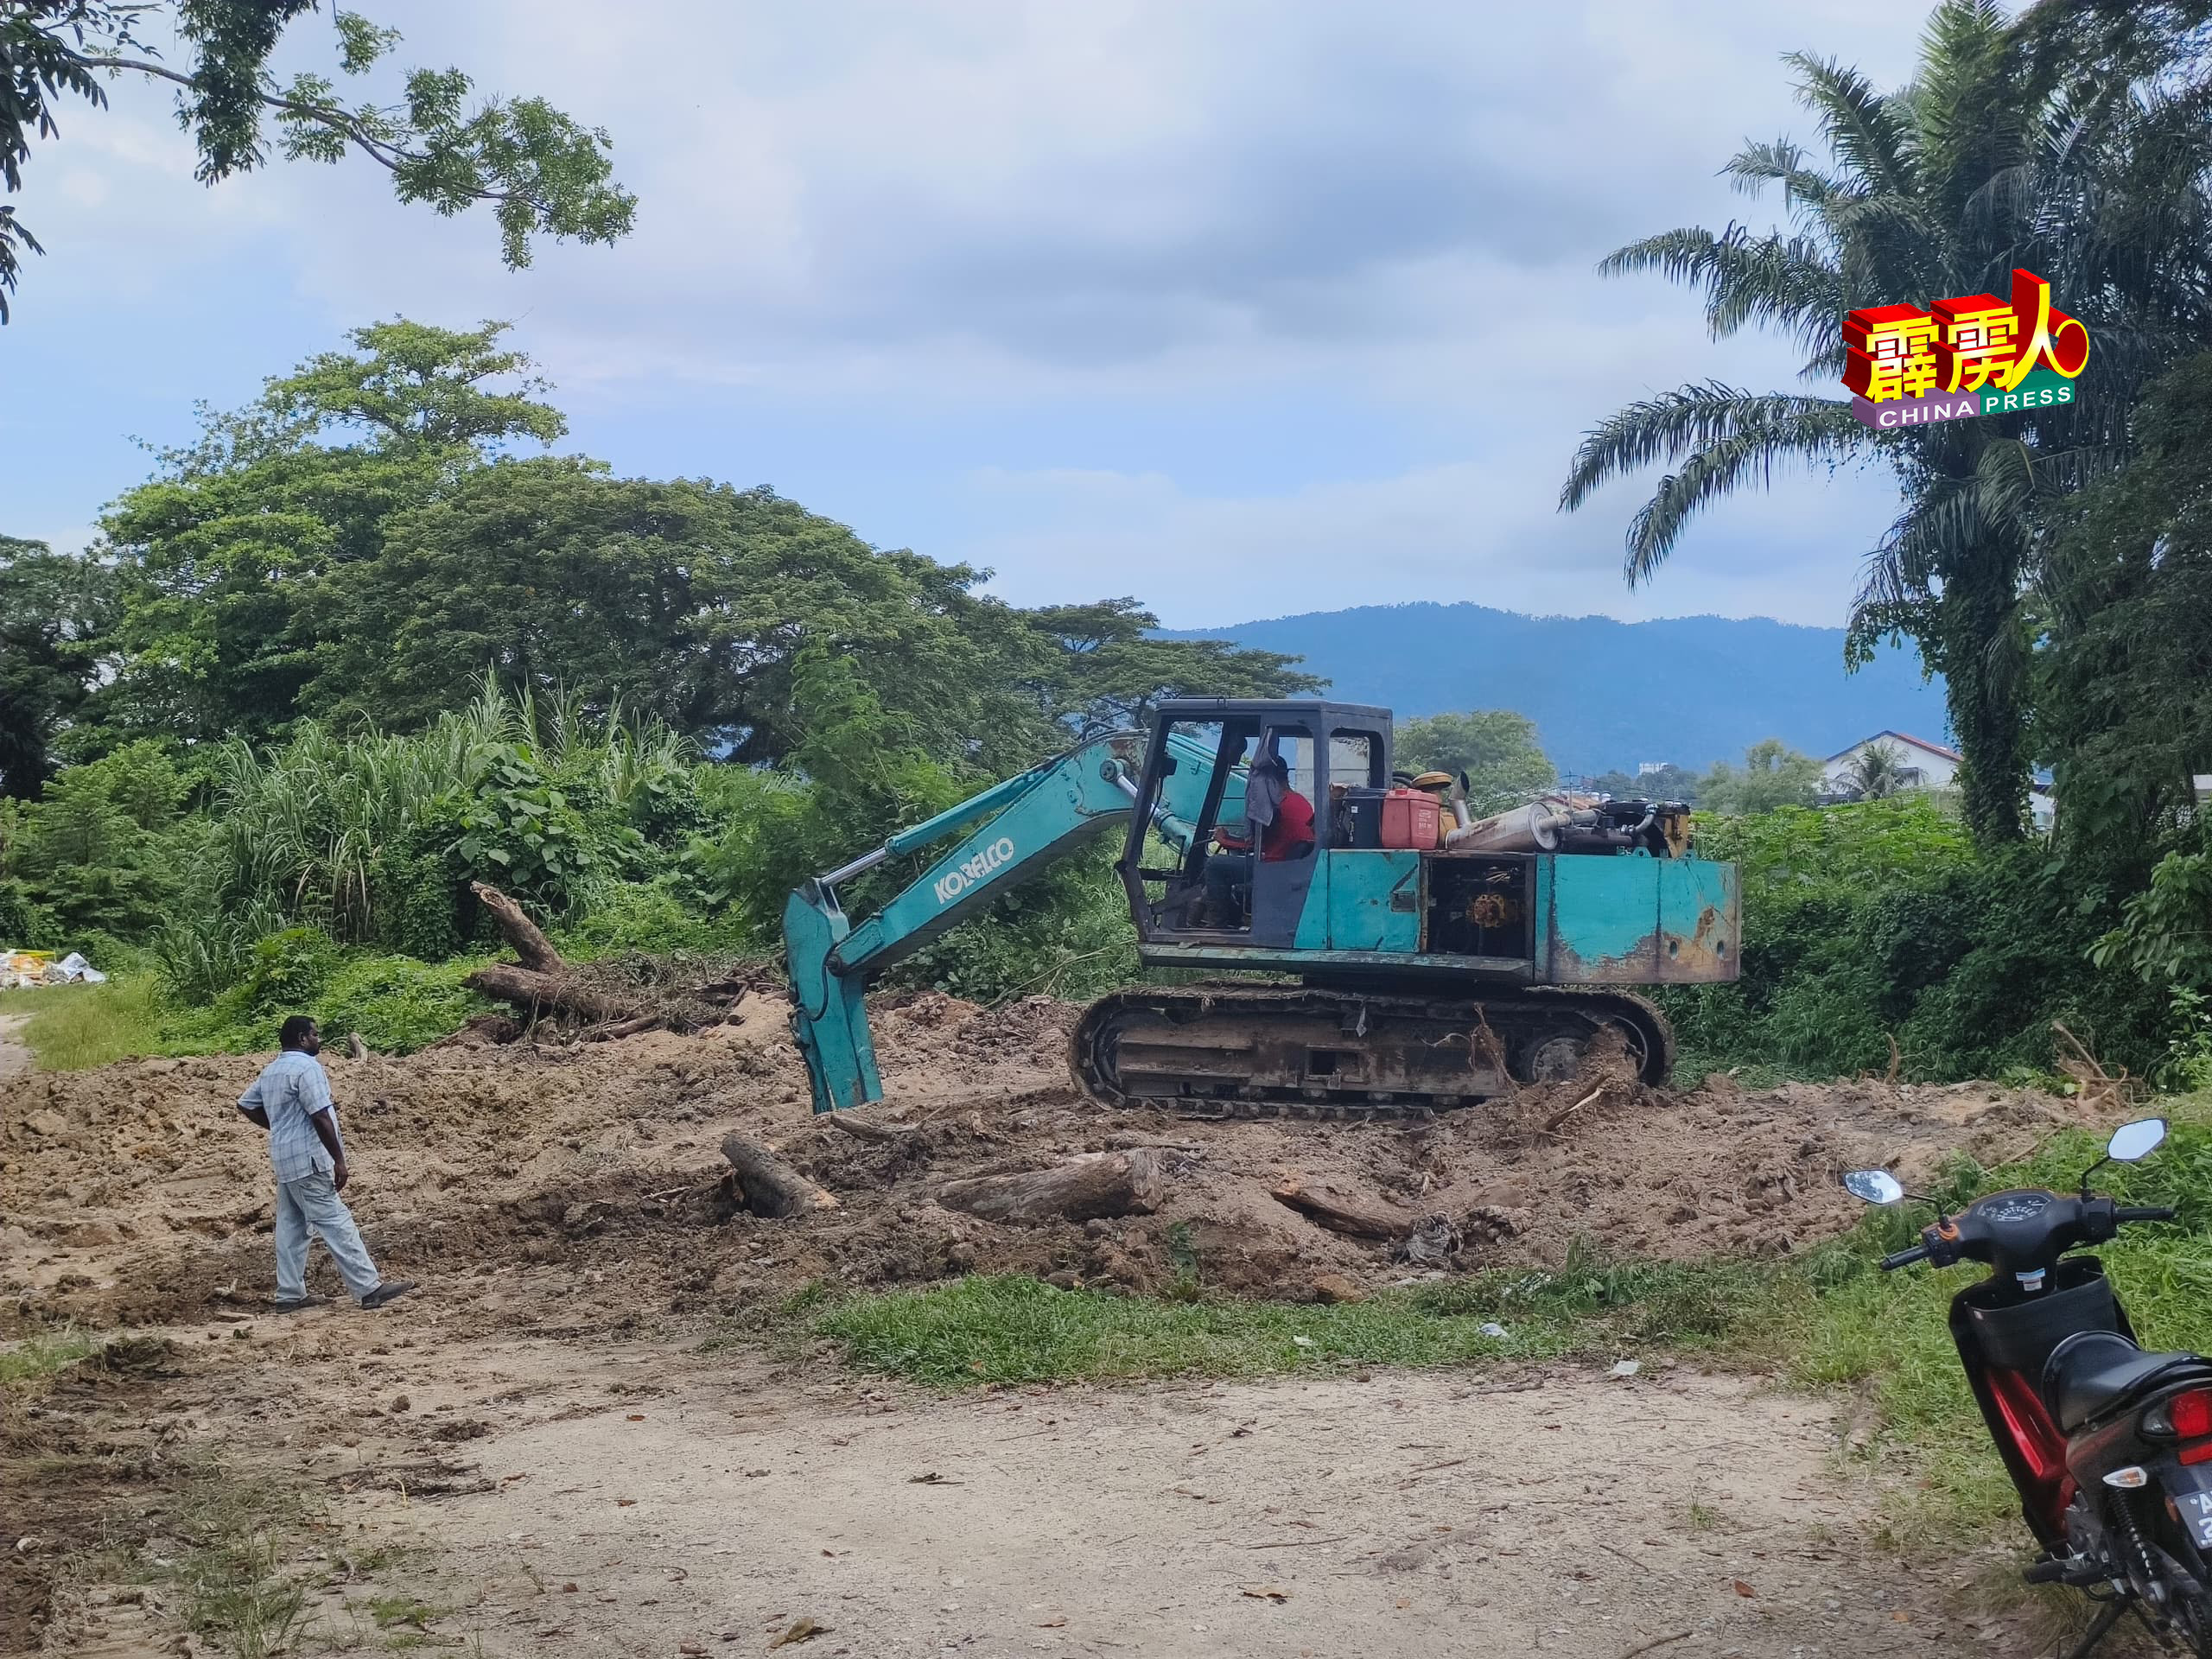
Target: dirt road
point(15, 1058)
point(637, 1499)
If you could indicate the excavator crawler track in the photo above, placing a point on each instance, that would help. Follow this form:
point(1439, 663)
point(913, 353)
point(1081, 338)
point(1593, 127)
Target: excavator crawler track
point(1326, 1053)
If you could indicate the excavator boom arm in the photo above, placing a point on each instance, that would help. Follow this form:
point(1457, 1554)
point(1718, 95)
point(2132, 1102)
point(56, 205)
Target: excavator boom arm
point(1005, 835)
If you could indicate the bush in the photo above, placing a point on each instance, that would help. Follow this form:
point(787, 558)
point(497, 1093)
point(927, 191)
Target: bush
point(1878, 922)
point(397, 1003)
point(286, 971)
point(640, 917)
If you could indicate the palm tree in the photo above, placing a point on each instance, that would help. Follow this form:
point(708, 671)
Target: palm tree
point(2014, 144)
point(1878, 773)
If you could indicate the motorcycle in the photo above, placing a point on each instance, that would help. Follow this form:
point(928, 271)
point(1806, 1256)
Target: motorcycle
point(2110, 1446)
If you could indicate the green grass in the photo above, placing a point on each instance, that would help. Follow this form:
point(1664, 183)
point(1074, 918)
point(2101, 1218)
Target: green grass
point(1014, 1329)
point(76, 1027)
point(1824, 1320)
point(397, 1003)
point(25, 1364)
point(230, 1573)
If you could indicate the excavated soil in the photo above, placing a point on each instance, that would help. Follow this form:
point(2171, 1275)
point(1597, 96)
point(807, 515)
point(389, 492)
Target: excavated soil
point(568, 1214)
point(581, 1189)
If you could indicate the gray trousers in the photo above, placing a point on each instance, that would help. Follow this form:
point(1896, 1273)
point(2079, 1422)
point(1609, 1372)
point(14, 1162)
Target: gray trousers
point(311, 1205)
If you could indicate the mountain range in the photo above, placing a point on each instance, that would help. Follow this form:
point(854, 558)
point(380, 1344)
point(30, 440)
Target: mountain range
point(1606, 694)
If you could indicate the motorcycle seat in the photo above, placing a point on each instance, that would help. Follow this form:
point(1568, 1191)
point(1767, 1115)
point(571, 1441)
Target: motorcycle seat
point(2092, 1372)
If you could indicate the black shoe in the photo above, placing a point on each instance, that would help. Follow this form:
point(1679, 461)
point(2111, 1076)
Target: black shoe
point(293, 1304)
point(389, 1291)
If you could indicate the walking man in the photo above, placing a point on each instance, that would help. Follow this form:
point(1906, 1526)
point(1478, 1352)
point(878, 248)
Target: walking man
point(291, 1100)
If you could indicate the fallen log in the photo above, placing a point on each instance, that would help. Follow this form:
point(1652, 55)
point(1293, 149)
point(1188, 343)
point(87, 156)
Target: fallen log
point(622, 1028)
point(1094, 1186)
point(536, 992)
point(768, 1186)
point(1343, 1213)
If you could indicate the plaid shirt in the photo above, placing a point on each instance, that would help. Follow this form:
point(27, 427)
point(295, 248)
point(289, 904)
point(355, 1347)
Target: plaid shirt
point(292, 1089)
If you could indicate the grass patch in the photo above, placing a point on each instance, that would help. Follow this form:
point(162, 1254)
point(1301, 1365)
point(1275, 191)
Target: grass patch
point(1015, 1329)
point(27, 1364)
point(235, 1536)
point(72, 1027)
point(396, 1004)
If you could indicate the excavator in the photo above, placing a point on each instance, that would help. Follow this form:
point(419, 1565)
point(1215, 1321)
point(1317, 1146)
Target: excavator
point(1404, 958)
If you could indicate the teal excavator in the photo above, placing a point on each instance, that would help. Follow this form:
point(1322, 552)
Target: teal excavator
point(1397, 956)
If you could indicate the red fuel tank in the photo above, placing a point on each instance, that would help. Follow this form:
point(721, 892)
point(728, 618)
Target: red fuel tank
point(1410, 817)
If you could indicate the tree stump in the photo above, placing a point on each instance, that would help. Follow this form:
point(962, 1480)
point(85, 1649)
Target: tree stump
point(532, 948)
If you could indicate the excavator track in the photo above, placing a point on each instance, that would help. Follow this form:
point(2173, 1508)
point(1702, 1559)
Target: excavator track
point(1326, 1053)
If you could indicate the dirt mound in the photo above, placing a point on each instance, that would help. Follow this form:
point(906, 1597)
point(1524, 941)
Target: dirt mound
point(568, 1189)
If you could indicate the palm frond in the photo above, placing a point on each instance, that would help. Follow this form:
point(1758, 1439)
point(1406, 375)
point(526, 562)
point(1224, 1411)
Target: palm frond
point(1858, 124)
point(1788, 282)
point(1720, 439)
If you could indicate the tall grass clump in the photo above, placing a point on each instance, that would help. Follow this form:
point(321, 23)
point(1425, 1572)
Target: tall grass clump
point(372, 838)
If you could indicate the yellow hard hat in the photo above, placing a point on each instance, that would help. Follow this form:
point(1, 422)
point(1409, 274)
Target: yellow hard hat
point(1432, 780)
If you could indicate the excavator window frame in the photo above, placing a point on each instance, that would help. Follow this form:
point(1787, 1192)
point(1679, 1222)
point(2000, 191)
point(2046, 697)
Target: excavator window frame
point(1242, 728)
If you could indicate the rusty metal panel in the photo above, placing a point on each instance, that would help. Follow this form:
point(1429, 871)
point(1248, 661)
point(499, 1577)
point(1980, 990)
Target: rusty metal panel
point(1700, 922)
point(1602, 926)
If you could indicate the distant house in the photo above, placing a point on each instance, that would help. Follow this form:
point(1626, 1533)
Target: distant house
point(1925, 765)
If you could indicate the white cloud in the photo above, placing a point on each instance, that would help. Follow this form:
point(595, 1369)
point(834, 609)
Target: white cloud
point(1463, 530)
point(1077, 222)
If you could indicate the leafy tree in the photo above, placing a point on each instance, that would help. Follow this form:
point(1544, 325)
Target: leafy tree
point(1496, 747)
point(94, 854)
point(1774, 775)
point(2048, 146)
point(1098, 668)
point(687, 602)
point(225, 558)
point(544, 173)
point(2124, 684)
point(56, 613)
point(1878, 773)
point(1669, 783)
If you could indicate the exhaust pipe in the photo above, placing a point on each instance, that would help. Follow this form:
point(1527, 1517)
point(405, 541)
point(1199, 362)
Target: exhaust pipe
point(1531, 829)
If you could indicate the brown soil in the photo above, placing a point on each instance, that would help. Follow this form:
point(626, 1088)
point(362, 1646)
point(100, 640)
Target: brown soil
point(579, 1189)
point(559, 1203)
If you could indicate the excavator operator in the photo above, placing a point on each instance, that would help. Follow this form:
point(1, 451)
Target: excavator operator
point(1284, 822)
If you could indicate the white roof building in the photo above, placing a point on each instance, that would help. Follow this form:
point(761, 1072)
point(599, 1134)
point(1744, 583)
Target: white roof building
point(1926, 766)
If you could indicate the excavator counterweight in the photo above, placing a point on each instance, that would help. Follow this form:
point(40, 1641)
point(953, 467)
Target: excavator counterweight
point(1442, 959)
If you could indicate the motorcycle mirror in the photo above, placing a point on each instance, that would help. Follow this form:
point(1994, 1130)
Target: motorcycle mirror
point(1873, 1185)
point(2132, 1142)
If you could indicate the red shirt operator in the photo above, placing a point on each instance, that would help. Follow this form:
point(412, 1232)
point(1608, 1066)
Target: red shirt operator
point(1287, 835)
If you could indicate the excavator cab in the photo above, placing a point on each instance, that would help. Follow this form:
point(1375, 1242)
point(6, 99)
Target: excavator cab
point(1191, 888)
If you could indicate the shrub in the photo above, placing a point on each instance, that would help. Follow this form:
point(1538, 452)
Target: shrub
point(397, 1003)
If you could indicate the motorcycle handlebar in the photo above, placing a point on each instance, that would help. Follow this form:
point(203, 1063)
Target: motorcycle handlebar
point(2147, 1212)
point(1905, 1258)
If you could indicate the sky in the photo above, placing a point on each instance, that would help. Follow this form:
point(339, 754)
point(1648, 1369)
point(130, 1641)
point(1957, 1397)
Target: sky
point(1243, 307)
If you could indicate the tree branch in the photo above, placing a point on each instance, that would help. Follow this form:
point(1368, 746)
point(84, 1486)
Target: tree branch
point(385, 154)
